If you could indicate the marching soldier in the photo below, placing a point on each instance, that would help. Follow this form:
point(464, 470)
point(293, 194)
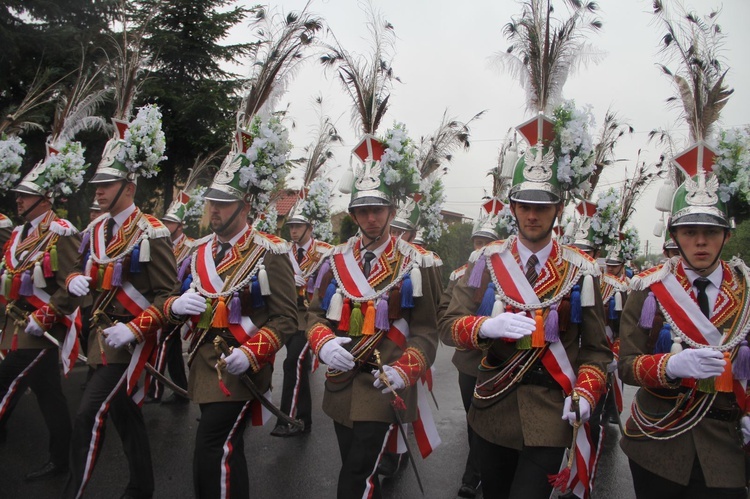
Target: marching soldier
point(307, 254)
point(683, 338)
point(130, 273)
point(373, 323)
point(243, 296)
point(39, 314)
point(545, 349)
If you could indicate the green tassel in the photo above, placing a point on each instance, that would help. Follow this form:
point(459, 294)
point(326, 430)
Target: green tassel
point(100, 278)
point(524, 343)
point(356, 321)
point(205, 321)
point(706, 385)
point(53, 258)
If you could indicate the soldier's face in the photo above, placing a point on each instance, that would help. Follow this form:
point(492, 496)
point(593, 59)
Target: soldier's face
point(373, 220)
point(299, 233)
point(615, 269)
point(406, 235)
point(480, 242)
point(220, 217)
point(174, 228)
point(701, 244)
point(26, 202)
point(106, 194)
point(535, 221)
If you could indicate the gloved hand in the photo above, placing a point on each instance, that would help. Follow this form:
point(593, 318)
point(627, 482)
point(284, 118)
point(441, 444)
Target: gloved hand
point(118, 335)
point(336, 356)
point(33, 328)
point(612, 366)
point(396, 381)
point(79, 285)
point(299, 281)
point(190, 303)
point(237, 362)
point(745, 428)
point(698, 363)
point(584, 409)
point(507, 325)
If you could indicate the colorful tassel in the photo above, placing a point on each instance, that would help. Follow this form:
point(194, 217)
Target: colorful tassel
point(221, 317)
point(265, 287)
point(39, 280)
point(330, 291)
point(706, 385)
point(204, 322)
point(488, 301)
point(381, 315)
point(107, 279)
point(135, 260)
point(407, 298)
point(184, 265)
point(618, 301)
point(47, 265)
point(611, 312)
point(648, 312)
point(336, 306)
point(368, 326)
point(53, 258)
point(117, 274)
point(524, 343)
point(498, 307)
point(588, 296)
point(475, 278)
point(356, 320)
point(676, 346)
point(5, 285)
point(741, 367)
point(416, 282)
point(258, 301)
point(346, 312)
point(85, 239)
point(724, 381)
point(145, 254)
point(537, 337)
point(394, 304)
point(576, 311)
point(563, 315)
point(27, 286)
point(551, 325)
point(224, 389)
point(235, 309)
point(186, 283)
point(664, 340)
point(15, 287)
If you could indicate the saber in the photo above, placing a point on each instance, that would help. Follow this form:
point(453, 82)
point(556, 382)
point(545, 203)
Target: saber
point(398, 400)
point(54, 341)
point(221, 346)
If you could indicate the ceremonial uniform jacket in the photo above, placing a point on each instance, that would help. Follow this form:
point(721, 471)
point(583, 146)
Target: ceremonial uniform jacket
point(513, 412)
point(266, 322)
point(614, 291)
point(50, 251)
point(466, 360)
point(124, 287)
point(715, 441)
point(183, 248)
point(308, 268)
point(407, 340)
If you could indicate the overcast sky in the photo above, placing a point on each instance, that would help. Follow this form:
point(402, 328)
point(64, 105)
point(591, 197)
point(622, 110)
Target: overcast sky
point(443, 52)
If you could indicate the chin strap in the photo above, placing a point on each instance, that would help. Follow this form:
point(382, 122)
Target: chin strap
point(693, 267)
point(32, 208)
point(231, 219)
point(117, 196)
point(382, 231)
point(300, 238)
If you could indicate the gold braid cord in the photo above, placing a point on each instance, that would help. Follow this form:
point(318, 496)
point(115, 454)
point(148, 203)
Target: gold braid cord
point(411, 366)
point(261, 348)
point(465, 331)
point(319, 335)
point(650, 371)
point(591, 383)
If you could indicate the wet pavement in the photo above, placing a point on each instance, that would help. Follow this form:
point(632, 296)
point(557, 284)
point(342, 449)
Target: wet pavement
point(302, 467)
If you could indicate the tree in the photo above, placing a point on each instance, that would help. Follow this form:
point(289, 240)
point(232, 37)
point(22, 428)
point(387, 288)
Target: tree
point(454, 248)
point(739, 243)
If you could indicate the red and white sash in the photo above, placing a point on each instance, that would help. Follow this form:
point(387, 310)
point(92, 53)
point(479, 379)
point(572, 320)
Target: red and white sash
point(351, 277)
point(259, 415)
point(135, 303)
point(514, 283)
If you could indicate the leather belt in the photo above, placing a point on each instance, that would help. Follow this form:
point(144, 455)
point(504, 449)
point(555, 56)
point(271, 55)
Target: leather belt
point(538, 375)
point(733, 414)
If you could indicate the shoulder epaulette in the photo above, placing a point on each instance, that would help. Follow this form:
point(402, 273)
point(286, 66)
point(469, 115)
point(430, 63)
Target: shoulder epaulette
point(323, 247)
point(62, 227)
point(272, 243)
point(94, 222)
point(419, 255)
point(493, 248)
point(343, 247)
point(200, 242)
point(152, 226)
point(5, 222)
point(576, 257)
point(459, 272)
point(650, 276)
point(615, 282)
point(736, 264)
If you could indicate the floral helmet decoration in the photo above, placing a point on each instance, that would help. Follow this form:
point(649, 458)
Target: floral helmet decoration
point(495, 220)
point(430, 223)
point(58, 175)
point(11, 159)
point(314, 208)
point(697, 200)
point(624, 249)
point(136, 149)
point(187, 208)
point(732, 167)
point(598, 222)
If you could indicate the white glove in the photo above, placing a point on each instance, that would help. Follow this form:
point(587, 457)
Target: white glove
point(118, 335)
point(79, 285)
point(33, 328)
point(698, 363)
point(396, 381)
point(300, 281)
point(336, 356)
point(507, 325)
point(612, 366)
point(584, 409)
point(237, 362)
point(745, 428)
point(190, 303)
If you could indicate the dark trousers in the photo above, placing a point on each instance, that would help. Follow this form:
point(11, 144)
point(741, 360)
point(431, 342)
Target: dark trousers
point(295, 394)
point(509, 473)
point(219, 465)
point(471, 474)
point(39, 370)
point(106, 394)
point(649, 485)
point(169, 358)
point(361, 448)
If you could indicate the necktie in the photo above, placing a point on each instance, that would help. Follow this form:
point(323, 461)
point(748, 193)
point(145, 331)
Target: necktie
point(531, 274)
point(300, 254)
point(701, 283)
point(25, 231)
point(367, 266)
point(110, 231)
point(221, 253)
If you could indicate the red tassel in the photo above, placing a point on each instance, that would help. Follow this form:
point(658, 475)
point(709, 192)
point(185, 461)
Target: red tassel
point(563, 315)
point(104, 358)
point(15, 287)
point(394, 304)
point(398, 403)
point(224, 388)
point(560, 480)
point(346, 311)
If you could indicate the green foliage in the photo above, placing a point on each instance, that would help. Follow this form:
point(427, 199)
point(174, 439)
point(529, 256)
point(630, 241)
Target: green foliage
point(454, 248)
point(348, 229)
point(739, 243)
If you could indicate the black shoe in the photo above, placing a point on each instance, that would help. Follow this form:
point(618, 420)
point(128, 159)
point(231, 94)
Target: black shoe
point(175, 399)
point(467, 491)
point(280, 430)
point(389, 465)
point(293, 431)
point(48, 470)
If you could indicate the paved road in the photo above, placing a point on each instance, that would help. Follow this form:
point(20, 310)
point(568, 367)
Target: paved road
point(303, 467)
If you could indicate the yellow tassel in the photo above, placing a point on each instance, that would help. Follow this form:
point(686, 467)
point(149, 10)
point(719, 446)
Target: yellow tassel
point(706, 385)
point(368, 328)
point(221, 315)
point(107, 279)
point(356, 320)
point(537, 337)
point(724, 381)
point(205, 319)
